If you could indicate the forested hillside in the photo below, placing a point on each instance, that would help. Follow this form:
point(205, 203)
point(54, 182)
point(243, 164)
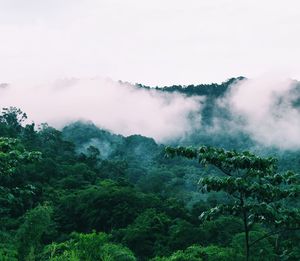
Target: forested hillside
point(84, 193)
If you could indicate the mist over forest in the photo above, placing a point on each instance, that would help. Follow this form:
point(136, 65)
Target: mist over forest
point(100, 170)
point(238, 105)
point(154, 130)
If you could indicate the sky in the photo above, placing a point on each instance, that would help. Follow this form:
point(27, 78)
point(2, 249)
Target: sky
point(157, 42)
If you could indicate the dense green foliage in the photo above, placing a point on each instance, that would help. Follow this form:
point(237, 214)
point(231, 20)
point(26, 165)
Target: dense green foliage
point(86, 194)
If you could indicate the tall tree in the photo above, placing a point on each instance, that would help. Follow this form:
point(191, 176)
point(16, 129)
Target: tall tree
point(37, 222)
point(12, 118)
point(258, 193)
point(12, 154)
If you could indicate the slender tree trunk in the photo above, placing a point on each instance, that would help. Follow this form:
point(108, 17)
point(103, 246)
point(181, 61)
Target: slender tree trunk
point(246, 238)
point(277, 247)
point(246, 228)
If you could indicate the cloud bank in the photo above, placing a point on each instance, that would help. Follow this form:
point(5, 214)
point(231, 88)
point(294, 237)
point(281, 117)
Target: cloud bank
point(268, 109)
point(118, 107)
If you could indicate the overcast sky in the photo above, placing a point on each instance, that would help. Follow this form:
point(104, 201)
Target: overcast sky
point(156, 42)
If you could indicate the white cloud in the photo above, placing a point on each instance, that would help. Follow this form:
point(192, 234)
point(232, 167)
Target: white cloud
point(120, 108)
point(267, 108)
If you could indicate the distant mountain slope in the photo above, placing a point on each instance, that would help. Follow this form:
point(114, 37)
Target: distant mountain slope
point(212, 90)
point(134, 147)
point(217, 129)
